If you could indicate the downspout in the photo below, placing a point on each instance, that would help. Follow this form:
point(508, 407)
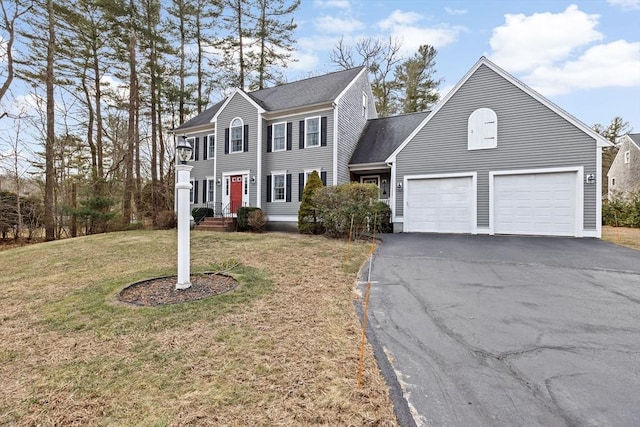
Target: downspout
point(392, 190)
point(335, 144)
point(259, 165)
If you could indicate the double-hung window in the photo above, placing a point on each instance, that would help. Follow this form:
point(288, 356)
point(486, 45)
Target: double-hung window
point(237, 136)
point(627, 157)
point(279, 137)
point(211, 146)
point(192, 142)
point(279, 189)
point(312, 132)
point(192, 191)
point(211, 185)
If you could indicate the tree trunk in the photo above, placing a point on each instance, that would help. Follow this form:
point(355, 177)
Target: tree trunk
point(131, 129)
point(49, 223)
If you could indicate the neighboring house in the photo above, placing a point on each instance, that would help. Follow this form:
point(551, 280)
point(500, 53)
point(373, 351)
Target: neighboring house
point(624, 173)
point(493, 157)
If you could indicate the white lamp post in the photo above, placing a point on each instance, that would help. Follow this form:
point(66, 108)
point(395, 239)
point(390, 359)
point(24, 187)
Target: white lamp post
point(183, 187)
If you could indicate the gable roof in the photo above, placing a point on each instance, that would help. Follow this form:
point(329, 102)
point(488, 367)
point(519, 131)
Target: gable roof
point(382, 136)
point(635, 139)
point(310, 91)
point(203, 118)
point(314, 90)
point(483, 61)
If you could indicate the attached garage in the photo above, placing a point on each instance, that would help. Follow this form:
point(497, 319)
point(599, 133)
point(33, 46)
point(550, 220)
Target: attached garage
point(545, 203)
point(440, 204)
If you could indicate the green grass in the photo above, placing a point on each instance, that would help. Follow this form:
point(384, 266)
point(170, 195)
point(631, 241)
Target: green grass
point(281, 349)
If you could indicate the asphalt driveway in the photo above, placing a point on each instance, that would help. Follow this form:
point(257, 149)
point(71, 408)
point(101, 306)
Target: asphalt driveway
point(508, 331)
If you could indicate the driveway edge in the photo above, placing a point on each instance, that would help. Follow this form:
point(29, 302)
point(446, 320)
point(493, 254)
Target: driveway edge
point(400, 405)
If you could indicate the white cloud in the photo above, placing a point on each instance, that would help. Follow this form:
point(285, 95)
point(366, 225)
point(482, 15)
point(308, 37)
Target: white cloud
point(399, 18)
point(404, 27)
point(451, 11)
point(604, 65)
point(334, 25)
point(527, 42)
point(340, 4)
point(304, 61)
point(625, 4)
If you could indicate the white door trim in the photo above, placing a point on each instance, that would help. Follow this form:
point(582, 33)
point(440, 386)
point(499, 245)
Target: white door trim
point(579, 202)
point(245, 181)
point(474, 195)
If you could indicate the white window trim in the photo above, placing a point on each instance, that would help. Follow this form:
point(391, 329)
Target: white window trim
point(627, 157)
point(362, 178)
point(273, 186)
point(192, 141)
point(211, 188)
point(365, 100)
point(306, 134)
point(308, 172)
point(231, 150)
point(209, 136)
point(192, 190)
point(273, 137)
point(613, 181)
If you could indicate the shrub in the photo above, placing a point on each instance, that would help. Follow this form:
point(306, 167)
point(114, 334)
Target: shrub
point(257, 220)
point(345, 207)
point(382, 215)
point(199, 213)
point(622, 212)
point(167, 220)
point(308, 221)
point(243, 217)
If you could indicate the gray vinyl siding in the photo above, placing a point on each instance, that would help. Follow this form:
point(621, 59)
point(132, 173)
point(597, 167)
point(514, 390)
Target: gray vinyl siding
point(296, 161)
point(627, 175)
point(201, 168)
point(530, 136)
point(238, 106)
point(351, 123)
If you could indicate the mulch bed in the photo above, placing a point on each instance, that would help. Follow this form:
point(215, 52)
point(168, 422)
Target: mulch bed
point(162, 290)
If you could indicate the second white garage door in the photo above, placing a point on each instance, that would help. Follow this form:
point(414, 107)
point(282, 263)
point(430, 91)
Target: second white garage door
point(538, 204)
point(440, 205)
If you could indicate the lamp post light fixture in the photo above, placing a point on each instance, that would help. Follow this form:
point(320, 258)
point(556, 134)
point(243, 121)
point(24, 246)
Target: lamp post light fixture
point(183, 189)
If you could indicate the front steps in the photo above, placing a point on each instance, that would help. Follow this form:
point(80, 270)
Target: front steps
point(217, 224)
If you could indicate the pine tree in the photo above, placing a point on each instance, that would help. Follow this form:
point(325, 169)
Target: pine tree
point(307, 217)
point(416, 87)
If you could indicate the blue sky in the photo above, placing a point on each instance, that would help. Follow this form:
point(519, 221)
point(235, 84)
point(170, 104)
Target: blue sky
point(582, 55)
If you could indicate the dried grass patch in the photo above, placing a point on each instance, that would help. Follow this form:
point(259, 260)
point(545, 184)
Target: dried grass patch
point(282, 349)
point(629, 237)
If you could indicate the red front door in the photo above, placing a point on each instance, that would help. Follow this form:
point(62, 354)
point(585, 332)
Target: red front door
point(235, 196)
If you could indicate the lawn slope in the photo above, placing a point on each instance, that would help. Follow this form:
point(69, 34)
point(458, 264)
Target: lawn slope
point(280, 350)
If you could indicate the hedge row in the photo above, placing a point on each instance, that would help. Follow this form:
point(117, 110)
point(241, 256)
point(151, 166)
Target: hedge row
point(622, 212)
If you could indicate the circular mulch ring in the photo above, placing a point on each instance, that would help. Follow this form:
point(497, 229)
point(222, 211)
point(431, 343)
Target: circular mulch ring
point(162, 290)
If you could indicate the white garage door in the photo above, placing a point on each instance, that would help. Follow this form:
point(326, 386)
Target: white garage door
point(540, 204)
point(440, 205)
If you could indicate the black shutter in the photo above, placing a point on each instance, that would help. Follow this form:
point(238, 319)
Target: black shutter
point(288, 187)
point(289, 135)
point(300, 185)
point(323, 131)
point(269, 138)
point(245, 147)
point(323, 177)
point(301, 139)
point(196, 149)
point(204, 191)
point(205, 145)
point(226, 141)
point(268, 188)
point(195, 191)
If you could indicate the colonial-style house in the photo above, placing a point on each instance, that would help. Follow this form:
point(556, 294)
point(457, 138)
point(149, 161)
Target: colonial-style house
point(624, 173)
point(492, 157)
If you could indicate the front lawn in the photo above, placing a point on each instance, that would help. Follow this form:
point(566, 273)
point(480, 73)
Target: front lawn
point(282, 349)
point(624, 236)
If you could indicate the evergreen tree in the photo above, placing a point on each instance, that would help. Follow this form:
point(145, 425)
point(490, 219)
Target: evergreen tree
point(308, 222)
point(417, 89)
point(274, 43)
